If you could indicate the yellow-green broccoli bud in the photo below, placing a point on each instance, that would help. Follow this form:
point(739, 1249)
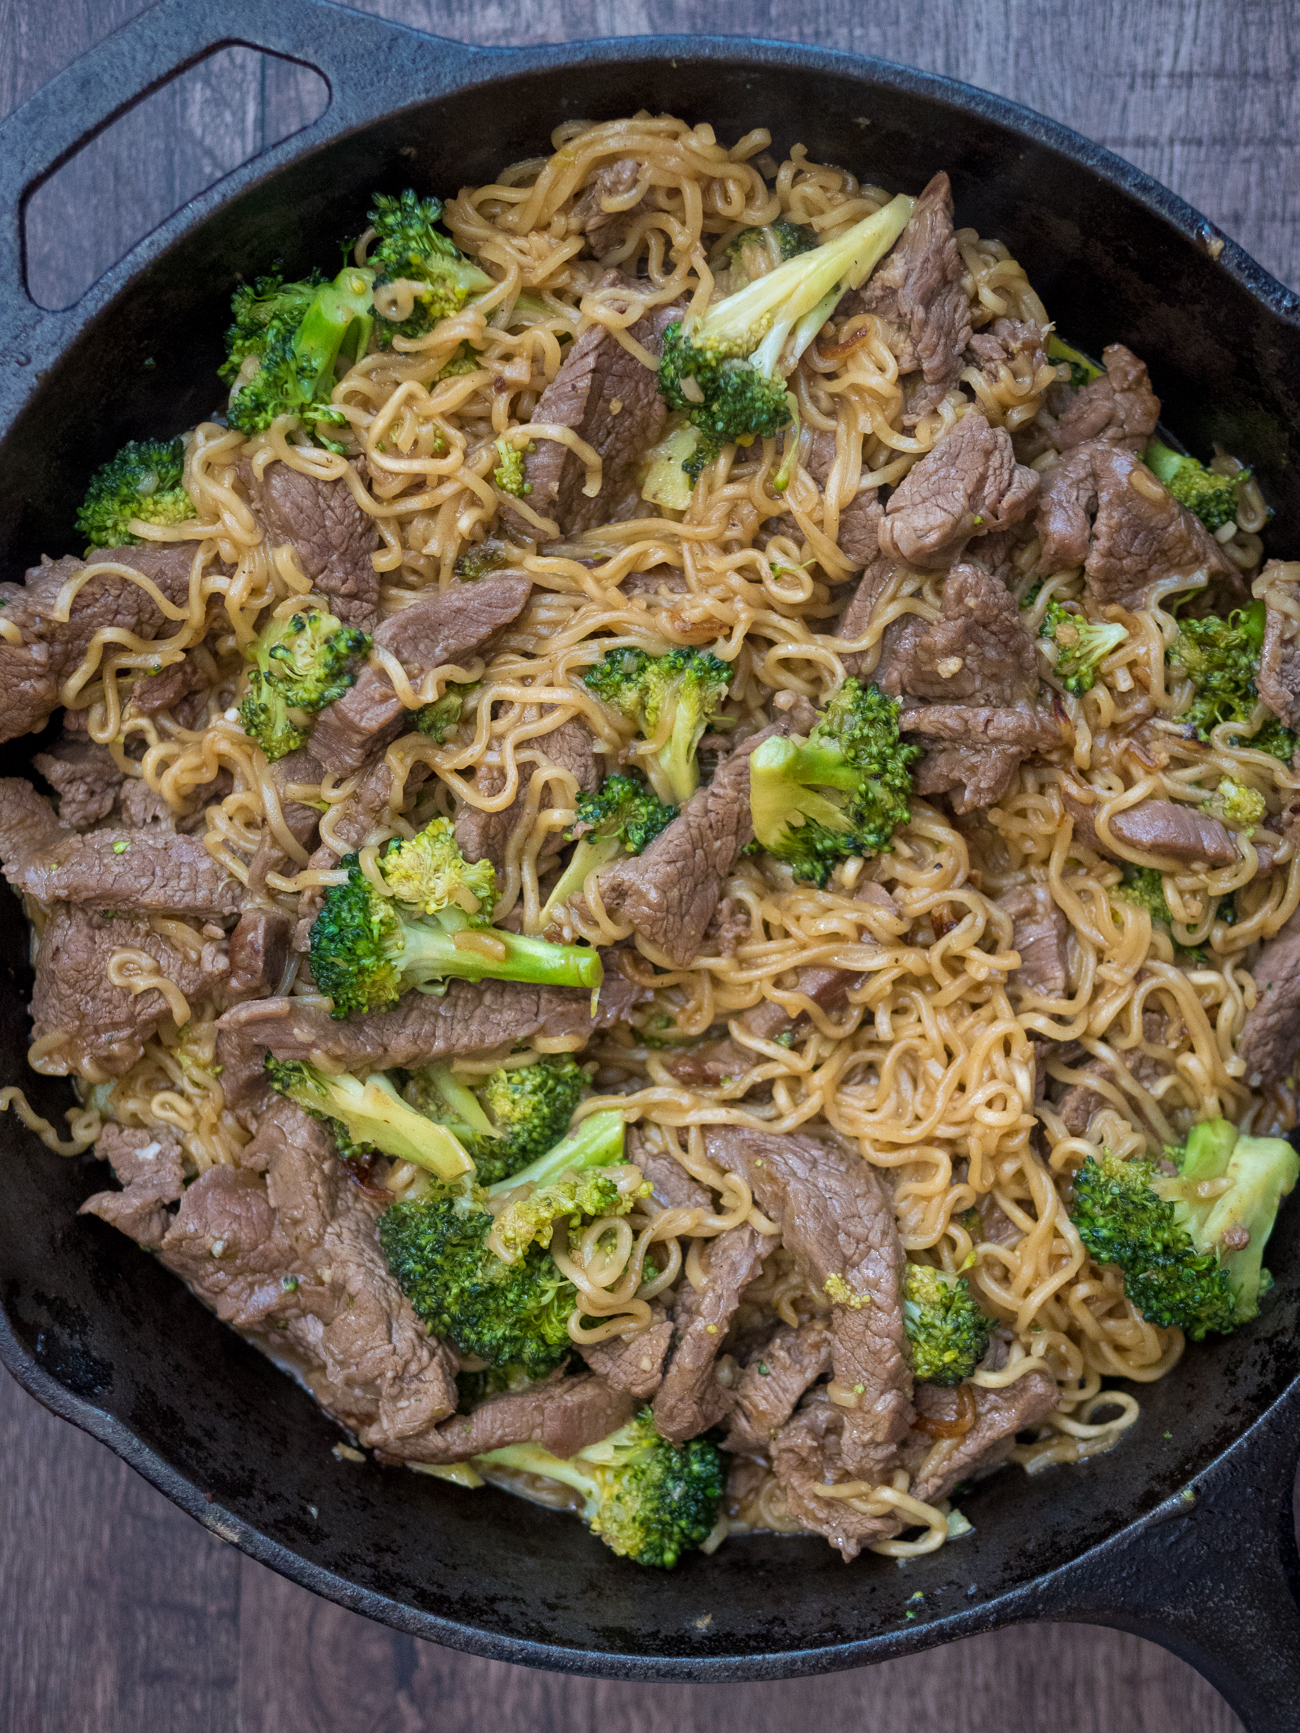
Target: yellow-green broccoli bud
point(509, 473)
point(1236, 804)
point(948, 1331)
point(1206, 494)
point(1082, 645)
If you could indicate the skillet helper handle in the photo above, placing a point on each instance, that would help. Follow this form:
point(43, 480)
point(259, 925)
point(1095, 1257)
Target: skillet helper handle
point(1213, 1575)
point(372, 68)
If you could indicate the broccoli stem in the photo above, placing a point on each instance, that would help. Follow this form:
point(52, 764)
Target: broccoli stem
point(532, 1459)
point(375, 1114)
point(336, 326)
point(433, 952)
point(589, 854)
point(597, 1142)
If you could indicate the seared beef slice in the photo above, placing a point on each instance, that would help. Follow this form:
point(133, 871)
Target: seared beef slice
point(32, 672)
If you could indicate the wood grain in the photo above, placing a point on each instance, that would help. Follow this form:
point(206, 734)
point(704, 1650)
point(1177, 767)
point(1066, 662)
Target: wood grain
point(120, 1615)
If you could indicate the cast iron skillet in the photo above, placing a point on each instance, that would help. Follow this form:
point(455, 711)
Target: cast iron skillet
point(1184, 1534)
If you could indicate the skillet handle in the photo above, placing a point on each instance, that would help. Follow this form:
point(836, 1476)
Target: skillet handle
point(1213, 1574)
point(372, 67)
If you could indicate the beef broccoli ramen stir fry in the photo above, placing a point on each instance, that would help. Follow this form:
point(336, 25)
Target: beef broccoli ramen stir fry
point(671, 867)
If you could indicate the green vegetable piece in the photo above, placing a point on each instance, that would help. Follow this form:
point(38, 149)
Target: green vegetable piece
point(1082, 370)
point(1206, 494)
point(299, 666)
point(299, 334)
point(947, 1329)
point(369, 1116)
point(672, 699)
point(1189, 1261)
point(623, 817)
point(1220, 656)
point(409, 248)
point(509, 473)
point(368, 949)
point(1082, 645)
point(647, 1499)
point(725, 372)
point(843, 791)
point(142, 484)
point(512, 1117)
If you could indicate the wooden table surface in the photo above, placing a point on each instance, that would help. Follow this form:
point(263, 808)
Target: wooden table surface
point(117, 1613)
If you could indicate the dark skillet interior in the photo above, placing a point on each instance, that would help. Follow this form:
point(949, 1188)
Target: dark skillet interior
point(115, 1330)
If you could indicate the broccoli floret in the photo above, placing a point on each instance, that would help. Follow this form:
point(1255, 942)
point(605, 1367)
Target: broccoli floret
point(1188, 1259)
point(726, 371)
point(439, 718)
point(753, 252)
point(510, 1118)
point(648, 1500)
point(1220, 656)
point(299, 333)
point(369, 1116)
point(1206, 494)
point(142, 483)
point(483, 557)
point(509, 473)
point(508, 1313)
point(1082, 645)
point(299, 666)
point(368, 949)
point(948, 1331)
point(410, 248)
point(1082, 370)
point(465, 360)
point(1144, 887)
point(672, 699)
point(854, 751)
point(621, 818)
point(1236, 804)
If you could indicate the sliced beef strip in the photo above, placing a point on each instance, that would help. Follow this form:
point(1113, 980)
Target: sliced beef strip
point(979, 651)
point(973, 753)
point(1160, 827)
point(486, 835)
point(976, 777)
point(619, 993)
point(333, 538)
point(999, 1415)
point(1040, 932)
point(1120, 408)
point(1269, 1044)
point(32, 672)
point(1102, 508)
point(772, 1383)
point(673, 1186)
point(563, 1415)
point(296, 770)
point(471, 1017)
point(107, 1025)
point(837, 1219)
point(1278, 677)
point(596, 374)
point(148, 871)
point(259, 954)
point(858, 535)
point(295, 1257)
point(85, 777)
point(604, 229)
point(1078, 1102)
point(446, 627)
point(669, 891)
point(170, 687)
point(918, 295)
point(1007, 342)
point(691, 1399)
point(634, 1363)
point(969, 485)
point(653, 582)
point(808, 1452)
point(151, 1172)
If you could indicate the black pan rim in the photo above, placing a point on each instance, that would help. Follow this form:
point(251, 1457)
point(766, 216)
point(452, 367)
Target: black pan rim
point(481, 68)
